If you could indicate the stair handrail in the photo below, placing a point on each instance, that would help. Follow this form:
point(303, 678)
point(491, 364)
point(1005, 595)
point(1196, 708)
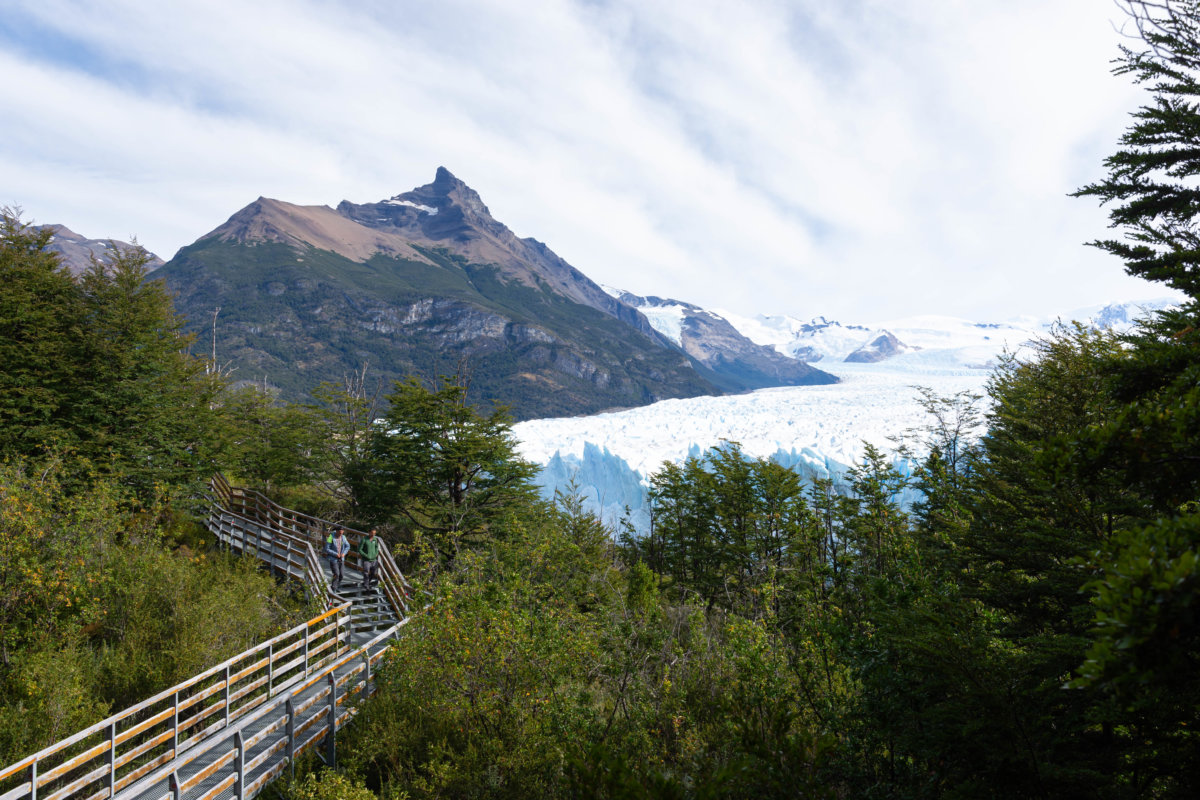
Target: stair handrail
point(252, 505)
point(370, 652)
point(313, 575)
point(153, 741)
point(147, 739)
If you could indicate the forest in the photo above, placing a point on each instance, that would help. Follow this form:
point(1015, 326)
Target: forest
point(1029, 628)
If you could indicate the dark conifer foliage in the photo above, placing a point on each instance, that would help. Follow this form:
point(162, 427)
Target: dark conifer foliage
point(1150, 179)
point(41, 321)
point(1147, 600)
point(98, 367)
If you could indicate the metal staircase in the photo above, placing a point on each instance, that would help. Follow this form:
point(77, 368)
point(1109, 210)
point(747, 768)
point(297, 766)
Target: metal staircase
point(232, 729)
point(370, 611)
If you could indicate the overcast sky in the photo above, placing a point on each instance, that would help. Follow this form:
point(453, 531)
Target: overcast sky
point(862, 160)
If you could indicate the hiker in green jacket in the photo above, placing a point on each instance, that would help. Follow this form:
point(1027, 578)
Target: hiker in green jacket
point(368, 553)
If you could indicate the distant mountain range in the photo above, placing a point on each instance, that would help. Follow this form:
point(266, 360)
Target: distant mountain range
point(930, 340)
point(428, 283)
point(762, 346)
point(945, 340)
point(76, 251)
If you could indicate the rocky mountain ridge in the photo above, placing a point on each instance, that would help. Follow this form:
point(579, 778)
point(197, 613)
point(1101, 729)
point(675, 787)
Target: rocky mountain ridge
point(735, 362)
point(76, 250)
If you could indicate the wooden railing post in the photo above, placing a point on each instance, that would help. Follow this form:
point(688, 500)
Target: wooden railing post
point(112, 758)
point(270, 667)
point(366, 686)
point(227, 666)
point(307, 629)
point(175, 724)
point(239, 785)
point(330, 742)
point(291, 737)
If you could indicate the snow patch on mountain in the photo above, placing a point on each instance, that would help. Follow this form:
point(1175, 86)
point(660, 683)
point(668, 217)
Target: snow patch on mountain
point(819, 339)
point(667, 320)
point(962, 341)
point(396, 201)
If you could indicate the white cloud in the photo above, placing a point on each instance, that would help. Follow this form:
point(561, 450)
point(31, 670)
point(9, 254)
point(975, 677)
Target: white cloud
point(862, 160)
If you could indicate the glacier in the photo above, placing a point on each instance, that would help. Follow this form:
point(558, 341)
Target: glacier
point(820, 431)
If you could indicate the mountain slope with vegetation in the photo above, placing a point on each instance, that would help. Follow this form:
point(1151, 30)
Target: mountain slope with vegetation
point(426, 284)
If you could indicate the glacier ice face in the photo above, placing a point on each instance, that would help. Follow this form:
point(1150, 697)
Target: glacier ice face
point(667, 320)
point(817, 430)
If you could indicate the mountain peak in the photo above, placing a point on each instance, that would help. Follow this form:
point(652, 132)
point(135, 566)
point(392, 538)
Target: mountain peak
point(445, 191)
point(445, 178)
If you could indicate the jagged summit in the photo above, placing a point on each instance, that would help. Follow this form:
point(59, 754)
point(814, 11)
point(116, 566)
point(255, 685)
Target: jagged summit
point(445, 192)
point(445, 184)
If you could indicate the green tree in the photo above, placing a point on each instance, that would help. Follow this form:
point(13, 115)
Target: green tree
point(345, 415)
point(725, 525)
point(1033, 513)
point(438, 467)
point(41, 323)
point(1150, 179)
point(1147, 638)
point(272, 445)
point(149, 406)
point(99, 366)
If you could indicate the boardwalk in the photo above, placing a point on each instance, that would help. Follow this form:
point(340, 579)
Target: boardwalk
point(235, 727)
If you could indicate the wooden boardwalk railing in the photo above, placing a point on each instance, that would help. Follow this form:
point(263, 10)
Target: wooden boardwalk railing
point(297, 540)
point(105, 758)
point(233, 728)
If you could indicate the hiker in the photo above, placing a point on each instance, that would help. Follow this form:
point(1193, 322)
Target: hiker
point(368, 553)
point(336, 548)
